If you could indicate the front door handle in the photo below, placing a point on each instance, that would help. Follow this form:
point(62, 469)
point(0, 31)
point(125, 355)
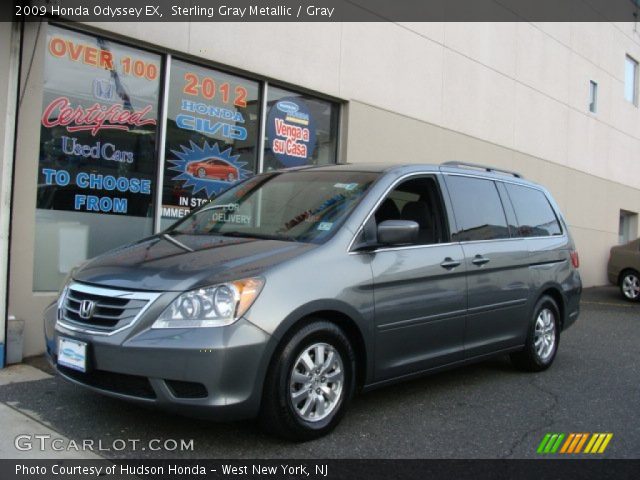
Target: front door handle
point(479, 260)
point(449, 263)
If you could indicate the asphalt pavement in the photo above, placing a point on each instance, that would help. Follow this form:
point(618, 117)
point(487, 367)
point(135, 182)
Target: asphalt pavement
point(489, 410)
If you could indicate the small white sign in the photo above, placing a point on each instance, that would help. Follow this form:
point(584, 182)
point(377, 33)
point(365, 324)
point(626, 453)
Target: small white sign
point(72, 354)
point(325, 226)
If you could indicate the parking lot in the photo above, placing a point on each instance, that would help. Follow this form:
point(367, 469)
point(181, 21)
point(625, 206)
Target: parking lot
point(488, 410)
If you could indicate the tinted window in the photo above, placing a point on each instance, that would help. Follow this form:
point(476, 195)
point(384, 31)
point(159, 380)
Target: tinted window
point(417, 200)
point(533, 212)
point(477, 208)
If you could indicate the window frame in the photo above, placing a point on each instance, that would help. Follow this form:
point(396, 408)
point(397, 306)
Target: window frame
point(448, 219)
point(445, 222)
point(636, 67)
point(593, 96)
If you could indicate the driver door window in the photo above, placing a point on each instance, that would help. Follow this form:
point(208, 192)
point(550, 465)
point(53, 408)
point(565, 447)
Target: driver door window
point(418, 200)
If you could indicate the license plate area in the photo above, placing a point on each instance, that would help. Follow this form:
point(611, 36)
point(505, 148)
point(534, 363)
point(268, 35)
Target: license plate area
point(72, 354)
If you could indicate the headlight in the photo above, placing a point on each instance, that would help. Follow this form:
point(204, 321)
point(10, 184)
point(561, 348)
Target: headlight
point(212, 306)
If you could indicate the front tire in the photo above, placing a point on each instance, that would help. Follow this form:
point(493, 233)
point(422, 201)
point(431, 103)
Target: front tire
point(310, 383)
point(543, 338)
point(630, 285)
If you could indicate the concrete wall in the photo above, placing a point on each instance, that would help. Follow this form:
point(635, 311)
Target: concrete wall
point(514, 95)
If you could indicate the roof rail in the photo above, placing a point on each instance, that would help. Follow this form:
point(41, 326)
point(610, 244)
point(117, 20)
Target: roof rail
point(477, 166)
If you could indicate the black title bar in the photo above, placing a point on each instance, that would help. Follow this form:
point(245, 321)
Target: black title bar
point(323, 10)
point(542, 469)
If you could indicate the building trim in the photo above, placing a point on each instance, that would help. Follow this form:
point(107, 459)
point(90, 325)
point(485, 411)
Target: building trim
point(162, 140)
point(7, 179)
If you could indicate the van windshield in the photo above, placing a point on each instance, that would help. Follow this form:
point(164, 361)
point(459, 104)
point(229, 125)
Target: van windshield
point(302, 206)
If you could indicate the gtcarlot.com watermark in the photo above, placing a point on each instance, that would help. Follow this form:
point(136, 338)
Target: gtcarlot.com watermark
point(50, 443)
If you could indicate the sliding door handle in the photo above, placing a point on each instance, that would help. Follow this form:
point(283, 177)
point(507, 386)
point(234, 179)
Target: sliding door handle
point(449, 263)
point(479, 260)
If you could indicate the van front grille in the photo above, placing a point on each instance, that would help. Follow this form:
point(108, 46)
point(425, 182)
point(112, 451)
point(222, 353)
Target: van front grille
point(102, 309)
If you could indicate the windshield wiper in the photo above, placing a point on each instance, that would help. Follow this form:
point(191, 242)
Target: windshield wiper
point(261, 236)
point(176, 242)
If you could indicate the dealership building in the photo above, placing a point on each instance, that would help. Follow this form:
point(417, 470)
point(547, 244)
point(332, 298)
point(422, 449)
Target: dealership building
point(110, 132)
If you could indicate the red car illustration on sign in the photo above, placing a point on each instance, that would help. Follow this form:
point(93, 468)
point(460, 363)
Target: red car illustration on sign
point(214, 168)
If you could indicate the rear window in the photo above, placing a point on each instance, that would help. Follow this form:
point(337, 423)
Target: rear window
point(534, 213)
point(477, 208)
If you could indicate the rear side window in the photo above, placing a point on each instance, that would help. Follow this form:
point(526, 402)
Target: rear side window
point(477, 208)
point(534, 213)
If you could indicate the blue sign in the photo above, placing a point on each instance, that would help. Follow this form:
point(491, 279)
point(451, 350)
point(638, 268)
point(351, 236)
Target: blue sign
point(291, 132)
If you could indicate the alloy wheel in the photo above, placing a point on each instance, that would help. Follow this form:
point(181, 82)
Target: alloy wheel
point(545, 334)
point(316, 383)
point(631, 286)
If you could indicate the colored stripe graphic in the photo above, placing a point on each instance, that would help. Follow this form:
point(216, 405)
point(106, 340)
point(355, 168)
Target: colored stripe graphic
point(581, 443)
point(552, 442)
point(543, 443)
point(568, 442)
point(598, 443)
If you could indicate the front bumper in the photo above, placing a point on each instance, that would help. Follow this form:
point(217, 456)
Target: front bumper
point(215, 373)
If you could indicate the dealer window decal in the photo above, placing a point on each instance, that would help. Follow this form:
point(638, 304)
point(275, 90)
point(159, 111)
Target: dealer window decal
point(291, 132)
point(98, 126)
point(207, 168)
point(212, 134)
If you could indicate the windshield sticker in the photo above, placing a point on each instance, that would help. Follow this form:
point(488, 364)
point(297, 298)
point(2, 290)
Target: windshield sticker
point(346, 186)
point(207, 168)
point(325, 226)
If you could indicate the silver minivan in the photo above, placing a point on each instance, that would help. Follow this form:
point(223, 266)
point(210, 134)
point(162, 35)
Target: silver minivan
point(294, 289)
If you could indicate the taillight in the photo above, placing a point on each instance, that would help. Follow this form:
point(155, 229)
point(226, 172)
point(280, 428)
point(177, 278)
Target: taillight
point(575, 259)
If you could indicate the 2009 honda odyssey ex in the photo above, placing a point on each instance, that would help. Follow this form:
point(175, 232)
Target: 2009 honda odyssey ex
point(293, 289)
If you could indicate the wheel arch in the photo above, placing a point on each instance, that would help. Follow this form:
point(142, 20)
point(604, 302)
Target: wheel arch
point(343, 316)
point(555, 292)
point(625, 270)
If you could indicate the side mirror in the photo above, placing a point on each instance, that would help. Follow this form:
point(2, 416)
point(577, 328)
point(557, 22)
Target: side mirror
point(397, 232)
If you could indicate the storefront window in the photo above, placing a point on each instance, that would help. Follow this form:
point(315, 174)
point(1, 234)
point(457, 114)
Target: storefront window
point(300, 130)
point(97, 163)
point(212, 136)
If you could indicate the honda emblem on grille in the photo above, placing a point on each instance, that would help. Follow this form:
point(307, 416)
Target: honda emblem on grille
point(87, 308)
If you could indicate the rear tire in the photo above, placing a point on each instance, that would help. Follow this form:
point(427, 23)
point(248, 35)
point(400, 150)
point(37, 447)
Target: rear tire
point(310, 382)
point(630, 285)
point(543, 338)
